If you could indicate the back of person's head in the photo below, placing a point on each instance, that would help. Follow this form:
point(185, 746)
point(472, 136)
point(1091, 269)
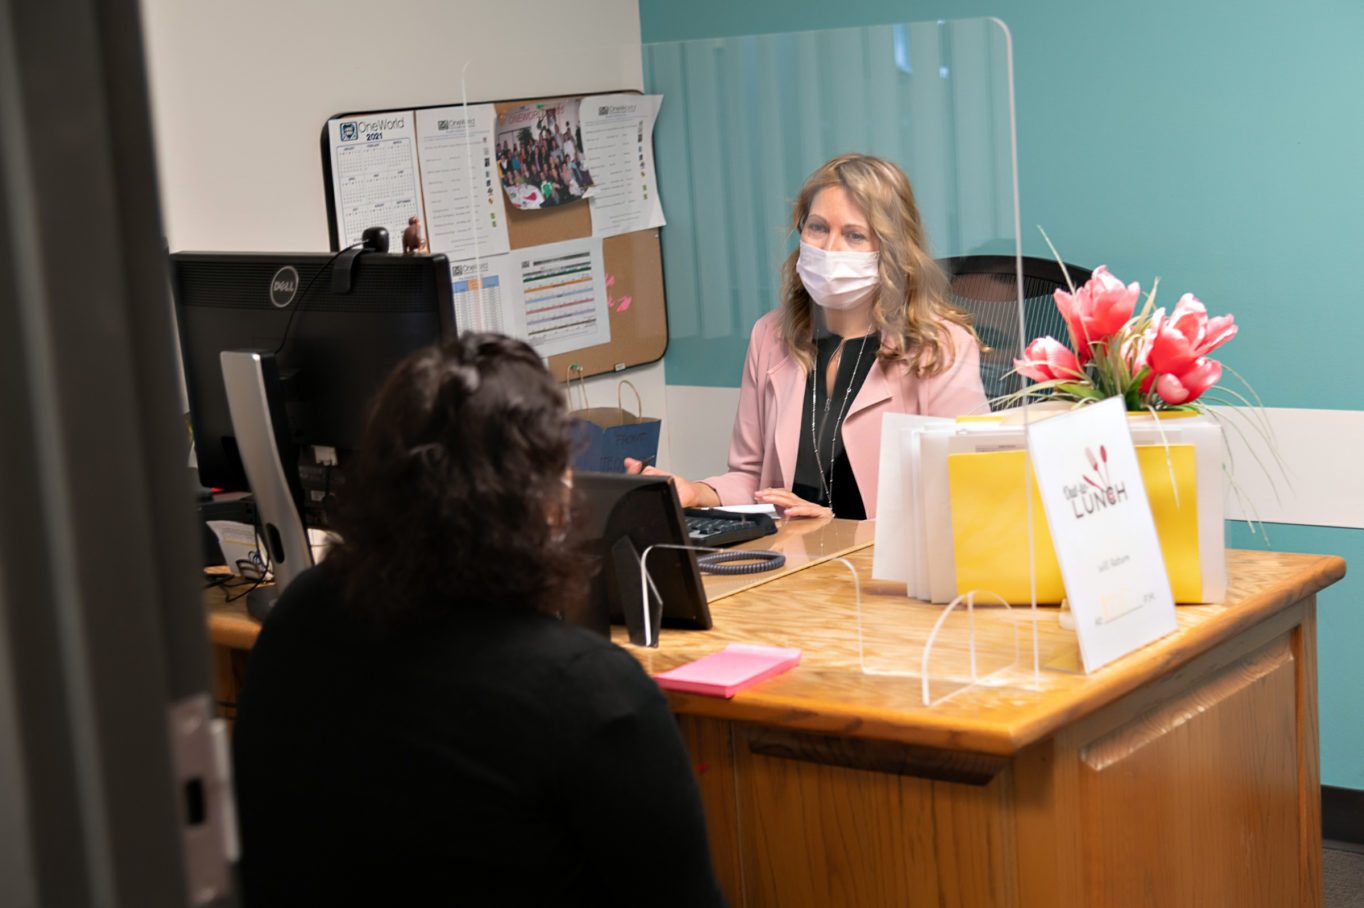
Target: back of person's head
point(457, 497)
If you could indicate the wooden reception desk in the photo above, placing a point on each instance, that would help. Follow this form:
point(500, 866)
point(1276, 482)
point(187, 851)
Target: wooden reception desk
point(1183, 774)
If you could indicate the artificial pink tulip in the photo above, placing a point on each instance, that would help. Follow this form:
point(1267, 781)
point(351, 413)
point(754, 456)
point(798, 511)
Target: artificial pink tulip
point(1047, 359)
point(1190, 318)
point(1189, 311)
point(1190, 385)
point(1219, 330)
point(1098, 310)
point(1172, 351)
point(1187, 335)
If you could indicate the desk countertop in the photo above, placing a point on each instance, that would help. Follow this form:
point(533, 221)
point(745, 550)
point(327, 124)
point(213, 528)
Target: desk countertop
point(830, 693)
point(816, 610)
point(805, 543)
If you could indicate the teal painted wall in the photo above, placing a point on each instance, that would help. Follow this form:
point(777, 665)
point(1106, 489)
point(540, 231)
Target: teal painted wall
point(1218, 147)
point(745, 120)
point(1340, 639)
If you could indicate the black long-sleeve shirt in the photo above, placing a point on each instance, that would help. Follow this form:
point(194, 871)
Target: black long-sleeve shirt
point(500, 758)
point(854, 364)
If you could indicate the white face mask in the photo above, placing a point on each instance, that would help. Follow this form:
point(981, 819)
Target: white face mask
point(838, 280)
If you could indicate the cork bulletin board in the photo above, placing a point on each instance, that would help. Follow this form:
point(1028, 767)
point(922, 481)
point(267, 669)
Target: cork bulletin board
point(632, 265)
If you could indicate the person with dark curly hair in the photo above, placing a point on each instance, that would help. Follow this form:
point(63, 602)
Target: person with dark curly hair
point(418, 726)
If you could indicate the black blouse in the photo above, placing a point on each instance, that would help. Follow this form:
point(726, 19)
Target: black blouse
point(824, 434)
point(499, 758)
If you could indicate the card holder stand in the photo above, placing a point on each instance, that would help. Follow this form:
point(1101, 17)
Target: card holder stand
point(973, 641)
point(645, 622)
point(952, 632)
point(832, 603)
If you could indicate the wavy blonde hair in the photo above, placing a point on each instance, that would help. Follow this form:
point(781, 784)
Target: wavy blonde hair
point(910, 312)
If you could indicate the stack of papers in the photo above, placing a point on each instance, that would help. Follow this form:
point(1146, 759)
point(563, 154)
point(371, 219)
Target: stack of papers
point(953, 515)
point(725, 673)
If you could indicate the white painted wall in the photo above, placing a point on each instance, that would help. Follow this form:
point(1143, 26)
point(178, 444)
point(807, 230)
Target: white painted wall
point(240, 92)
point(707, 415)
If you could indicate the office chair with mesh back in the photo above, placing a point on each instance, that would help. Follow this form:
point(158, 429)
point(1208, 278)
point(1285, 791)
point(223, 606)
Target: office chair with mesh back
point(985, 286)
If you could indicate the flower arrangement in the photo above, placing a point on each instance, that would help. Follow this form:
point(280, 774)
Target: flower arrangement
point(1152, 359)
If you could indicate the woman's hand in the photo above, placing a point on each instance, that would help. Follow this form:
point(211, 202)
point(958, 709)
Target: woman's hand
point(791, 504)
point(690, 494)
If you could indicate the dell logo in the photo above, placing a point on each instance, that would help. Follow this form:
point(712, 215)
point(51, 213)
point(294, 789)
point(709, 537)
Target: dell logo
point(283, 286)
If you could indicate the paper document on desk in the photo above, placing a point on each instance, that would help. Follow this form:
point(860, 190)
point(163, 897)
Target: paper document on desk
point(241, 549)
point(745, 508)
point(725, 673)
point(1207, 486)
point(897, 510)
point(243, 552)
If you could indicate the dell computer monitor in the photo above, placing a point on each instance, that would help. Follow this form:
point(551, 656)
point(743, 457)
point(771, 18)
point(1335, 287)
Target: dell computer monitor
point(334, 347)
point(624, 516)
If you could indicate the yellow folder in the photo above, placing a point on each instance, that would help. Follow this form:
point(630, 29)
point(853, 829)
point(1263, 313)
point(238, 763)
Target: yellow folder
point(990, 523)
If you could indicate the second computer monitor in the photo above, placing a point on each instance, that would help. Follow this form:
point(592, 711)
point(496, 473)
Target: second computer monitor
point(625, 515)
point(334, 347)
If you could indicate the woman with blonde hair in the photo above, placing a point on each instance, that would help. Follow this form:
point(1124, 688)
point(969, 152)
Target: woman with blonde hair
point(863, 329)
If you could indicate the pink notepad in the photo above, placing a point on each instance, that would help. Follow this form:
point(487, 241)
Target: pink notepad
point(729, 671)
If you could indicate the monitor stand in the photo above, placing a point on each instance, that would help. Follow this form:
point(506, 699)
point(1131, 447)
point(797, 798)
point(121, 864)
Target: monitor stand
point(255, 401)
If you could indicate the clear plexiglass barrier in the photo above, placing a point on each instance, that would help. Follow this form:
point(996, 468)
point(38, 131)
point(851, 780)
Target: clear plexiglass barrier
point(740, 124)
point(744, 122)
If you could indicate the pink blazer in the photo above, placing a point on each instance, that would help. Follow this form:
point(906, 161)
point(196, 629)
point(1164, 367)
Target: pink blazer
point(762, 450)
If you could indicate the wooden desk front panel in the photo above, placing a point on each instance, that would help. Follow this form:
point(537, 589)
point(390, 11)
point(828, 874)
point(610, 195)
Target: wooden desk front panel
point(1202, 791)
point(1184, 774)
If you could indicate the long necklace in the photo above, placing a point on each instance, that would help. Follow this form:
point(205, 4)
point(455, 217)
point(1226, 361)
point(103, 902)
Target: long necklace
point(826, 483)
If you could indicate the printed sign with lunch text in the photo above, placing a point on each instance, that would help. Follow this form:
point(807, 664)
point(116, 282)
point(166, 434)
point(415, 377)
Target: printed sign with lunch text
point(1101, 525)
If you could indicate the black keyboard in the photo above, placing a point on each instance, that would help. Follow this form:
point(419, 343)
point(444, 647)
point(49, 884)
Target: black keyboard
point(716, 528)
